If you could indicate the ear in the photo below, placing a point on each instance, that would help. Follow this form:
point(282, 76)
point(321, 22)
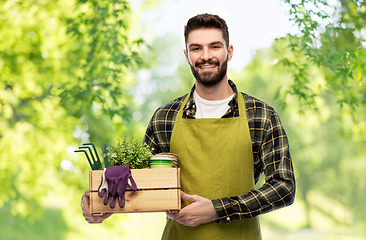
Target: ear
point(186, 54)
point(230, 53)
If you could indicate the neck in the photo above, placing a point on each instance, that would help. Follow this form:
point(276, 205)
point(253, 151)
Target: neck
point(215, 92)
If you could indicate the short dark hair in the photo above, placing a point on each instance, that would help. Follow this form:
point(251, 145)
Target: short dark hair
point(206, 20)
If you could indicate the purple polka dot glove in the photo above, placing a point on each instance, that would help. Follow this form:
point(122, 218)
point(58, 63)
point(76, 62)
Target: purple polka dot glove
point(114, 183)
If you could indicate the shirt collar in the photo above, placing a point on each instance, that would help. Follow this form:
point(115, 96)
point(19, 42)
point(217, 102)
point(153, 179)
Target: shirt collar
point(189, 110)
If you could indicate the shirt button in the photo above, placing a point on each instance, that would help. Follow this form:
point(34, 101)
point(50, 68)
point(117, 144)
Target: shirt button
point(228, 219)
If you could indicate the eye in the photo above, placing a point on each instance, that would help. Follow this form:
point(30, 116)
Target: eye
point(195, 49)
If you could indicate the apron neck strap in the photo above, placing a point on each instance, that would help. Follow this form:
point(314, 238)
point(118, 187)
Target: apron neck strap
point(241, 105)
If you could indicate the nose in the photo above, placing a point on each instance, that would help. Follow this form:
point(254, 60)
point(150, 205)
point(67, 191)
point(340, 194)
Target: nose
point(206, 54)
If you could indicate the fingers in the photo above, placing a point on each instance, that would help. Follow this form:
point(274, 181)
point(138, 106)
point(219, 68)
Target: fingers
point(187, 197)
point(97, 219)
point(173, 215)
point(85, 207)
point(85, 201)
point(87, 192)
point(182, 218)
point(200, 211)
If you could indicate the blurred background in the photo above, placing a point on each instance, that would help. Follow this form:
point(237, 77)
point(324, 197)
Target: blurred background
point(77, 71)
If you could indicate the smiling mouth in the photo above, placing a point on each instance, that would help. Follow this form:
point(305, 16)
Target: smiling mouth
point(207, 66)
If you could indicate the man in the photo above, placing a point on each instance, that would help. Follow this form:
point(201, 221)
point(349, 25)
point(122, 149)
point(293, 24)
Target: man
point(224, 140)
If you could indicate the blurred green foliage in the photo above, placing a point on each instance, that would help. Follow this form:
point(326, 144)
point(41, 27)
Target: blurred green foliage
point(332, 36)
point(64, 66)
point(326, 63)
point(73, 71)
point(326, 143)
point(55, 228)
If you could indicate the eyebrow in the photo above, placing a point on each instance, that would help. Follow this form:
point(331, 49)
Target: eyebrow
point(198, 45)
point(217, 42)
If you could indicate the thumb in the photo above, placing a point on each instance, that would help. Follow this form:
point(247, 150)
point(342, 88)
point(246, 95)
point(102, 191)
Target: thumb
point(187, 197)
point(87, 192)
point(85, 205)
point(86, 197)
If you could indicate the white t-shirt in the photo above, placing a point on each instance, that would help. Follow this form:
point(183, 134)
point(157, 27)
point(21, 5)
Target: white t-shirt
point(211, 109)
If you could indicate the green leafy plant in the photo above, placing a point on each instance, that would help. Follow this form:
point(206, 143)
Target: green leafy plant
point(129, 152)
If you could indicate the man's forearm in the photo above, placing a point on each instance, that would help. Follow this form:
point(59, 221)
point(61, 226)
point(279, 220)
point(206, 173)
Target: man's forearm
point(271, 196)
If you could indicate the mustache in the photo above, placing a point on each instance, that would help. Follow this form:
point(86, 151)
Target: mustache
point(211, 62)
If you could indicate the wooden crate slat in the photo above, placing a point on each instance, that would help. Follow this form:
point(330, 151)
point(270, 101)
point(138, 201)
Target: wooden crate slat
point(144, 178)
point(140, 201)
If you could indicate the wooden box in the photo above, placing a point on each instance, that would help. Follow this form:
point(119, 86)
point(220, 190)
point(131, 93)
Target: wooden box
point(158, 191)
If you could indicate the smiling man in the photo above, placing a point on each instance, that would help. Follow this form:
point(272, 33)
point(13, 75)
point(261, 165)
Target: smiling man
point(208, 60)
point(225, 140)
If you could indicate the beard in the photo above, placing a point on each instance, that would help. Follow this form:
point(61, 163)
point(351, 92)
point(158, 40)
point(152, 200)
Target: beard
point(209, 78)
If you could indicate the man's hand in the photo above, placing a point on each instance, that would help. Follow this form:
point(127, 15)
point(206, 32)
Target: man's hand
point(85, 206)
point(200, 211)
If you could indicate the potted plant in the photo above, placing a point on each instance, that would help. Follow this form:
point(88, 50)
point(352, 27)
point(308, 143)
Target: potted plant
point(138, 156)
point(129, 152)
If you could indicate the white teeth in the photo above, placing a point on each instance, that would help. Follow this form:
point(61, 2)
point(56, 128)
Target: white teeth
point(209, 66)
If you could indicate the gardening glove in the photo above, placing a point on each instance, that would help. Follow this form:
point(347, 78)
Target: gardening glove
point(117, 178)
point(103, 188)
point(122, 186)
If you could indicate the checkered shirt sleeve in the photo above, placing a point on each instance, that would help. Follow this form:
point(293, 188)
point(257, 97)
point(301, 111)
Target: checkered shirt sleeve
point(160, 128)
point(272, 156)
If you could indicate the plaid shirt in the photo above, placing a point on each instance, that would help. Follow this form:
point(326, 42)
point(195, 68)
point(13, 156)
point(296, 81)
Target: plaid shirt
point(270, 151)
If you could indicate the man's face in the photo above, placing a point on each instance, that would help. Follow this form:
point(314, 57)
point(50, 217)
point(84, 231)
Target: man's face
point(207, 54)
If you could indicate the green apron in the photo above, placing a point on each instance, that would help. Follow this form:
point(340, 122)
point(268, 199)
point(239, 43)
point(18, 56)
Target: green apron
point(216, 161)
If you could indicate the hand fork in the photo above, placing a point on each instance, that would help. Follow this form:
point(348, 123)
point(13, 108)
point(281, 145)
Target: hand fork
point(96, 164)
